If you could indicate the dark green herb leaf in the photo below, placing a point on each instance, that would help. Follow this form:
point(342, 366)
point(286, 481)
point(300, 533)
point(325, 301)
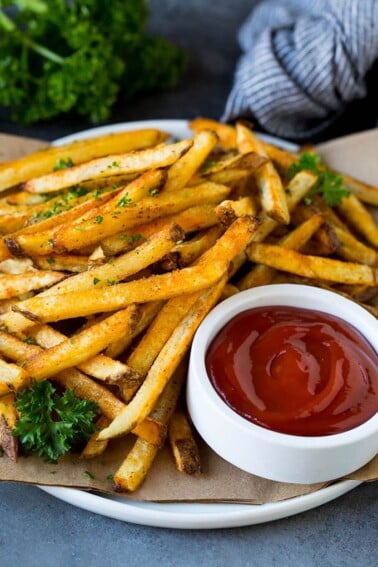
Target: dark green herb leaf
point(329, 185)
point(50, 424)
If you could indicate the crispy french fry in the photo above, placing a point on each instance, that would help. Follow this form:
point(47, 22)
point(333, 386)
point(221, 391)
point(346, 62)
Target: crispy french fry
point(352, 249)
point(165, 364)
point(94, 448)
point(12, 378)
point(100, 366)
point(130, 162)
point(68, 263)
point(44, 161)
point(295, 240)
point(88, 232)
point(357, 215)
point(80, 347)
point(12, 285)
point(117, 347)
point(124, 266)
point(183, 445)
point(312, 266)
point(227, 211)
point(225, 133)
point(183, 169)
point(36, 240)
point(135, 467)
point(210, 269)
point(8, 418)
point(268, 181)
point(190, 220)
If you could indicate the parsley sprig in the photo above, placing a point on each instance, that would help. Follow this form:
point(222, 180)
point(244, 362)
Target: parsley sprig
point(50, 424)
point(329, 185)
point(80, 56)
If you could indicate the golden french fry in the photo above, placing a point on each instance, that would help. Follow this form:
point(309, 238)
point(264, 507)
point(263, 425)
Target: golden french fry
point(312, 266)
point(184, 168)
point(272, 193)
point(89, 232)
point(44, 161)
point(352, 249)
point(357, 215)
point(68, 263)
point(225, 133)
point(164, 366)
point(12, 378)
point(119, 164)
point(12, 285)
point(80, 347)
point(191, 219)
point(212, 265)
point(135, 467)
point(227, 211)
point(100, 366)
point(123, 266)
point(8, 418)
point(36, 240)
point(183, 445)
point(117, 347)
point(94, 448)
point(295, 240)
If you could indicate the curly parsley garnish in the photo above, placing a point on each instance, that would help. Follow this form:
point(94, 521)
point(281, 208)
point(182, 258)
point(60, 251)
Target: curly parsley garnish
point(50, 424)
point(329, 185)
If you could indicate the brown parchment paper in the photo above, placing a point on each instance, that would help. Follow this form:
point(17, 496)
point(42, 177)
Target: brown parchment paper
point(219, 481)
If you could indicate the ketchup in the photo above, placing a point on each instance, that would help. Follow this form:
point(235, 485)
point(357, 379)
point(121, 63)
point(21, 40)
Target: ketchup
point(295, 371)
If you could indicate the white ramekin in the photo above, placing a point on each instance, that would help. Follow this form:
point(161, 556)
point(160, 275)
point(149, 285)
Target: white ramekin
point(272, 455)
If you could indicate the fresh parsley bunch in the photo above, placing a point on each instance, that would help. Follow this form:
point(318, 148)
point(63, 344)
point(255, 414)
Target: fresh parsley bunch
point(329, 185)
point(58, 56)
point(50, 424)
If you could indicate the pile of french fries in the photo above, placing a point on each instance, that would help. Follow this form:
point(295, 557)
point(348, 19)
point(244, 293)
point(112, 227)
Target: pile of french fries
point(114, 249)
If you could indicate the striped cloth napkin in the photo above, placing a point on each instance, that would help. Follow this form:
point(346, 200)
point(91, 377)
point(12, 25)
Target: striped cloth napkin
point(303, 61)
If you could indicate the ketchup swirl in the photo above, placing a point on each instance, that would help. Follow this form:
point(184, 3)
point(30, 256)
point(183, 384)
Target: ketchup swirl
point(295, 371)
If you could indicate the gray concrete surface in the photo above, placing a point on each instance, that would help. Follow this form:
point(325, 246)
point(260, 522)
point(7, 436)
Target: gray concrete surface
point(37, 530)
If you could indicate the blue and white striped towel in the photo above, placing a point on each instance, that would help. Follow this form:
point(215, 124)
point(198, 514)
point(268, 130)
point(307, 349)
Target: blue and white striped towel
point(303, 61)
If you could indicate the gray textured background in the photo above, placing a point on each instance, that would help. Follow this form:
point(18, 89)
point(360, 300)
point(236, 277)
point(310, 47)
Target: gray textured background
point(38, 530)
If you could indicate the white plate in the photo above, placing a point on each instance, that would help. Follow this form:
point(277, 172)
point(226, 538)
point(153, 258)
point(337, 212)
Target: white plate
point(188, 515)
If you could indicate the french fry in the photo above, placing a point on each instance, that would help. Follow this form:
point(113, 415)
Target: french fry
point(94, 448)
point(68, 263)
point(180, 172)
point(191, 219)
point(100, 366)
point(44, 161)
point(80, 347)
point(164, 366)
point(295, 240)
point(135, 467)
point(183, 445)
point(226, 134)
point(88, 232)
point(12, 378)
point(272, 193)
point(123, 266)
point(36, 240)
point(129, 162)
point(210, 269)
point(312, 266)
point(352, 249)
point(138, 462)
point(8, 418)
point(357, 215)
point(12, 285)
point(117, 347)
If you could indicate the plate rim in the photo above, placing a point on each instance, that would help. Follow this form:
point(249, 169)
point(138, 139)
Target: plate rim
point(186, 515)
